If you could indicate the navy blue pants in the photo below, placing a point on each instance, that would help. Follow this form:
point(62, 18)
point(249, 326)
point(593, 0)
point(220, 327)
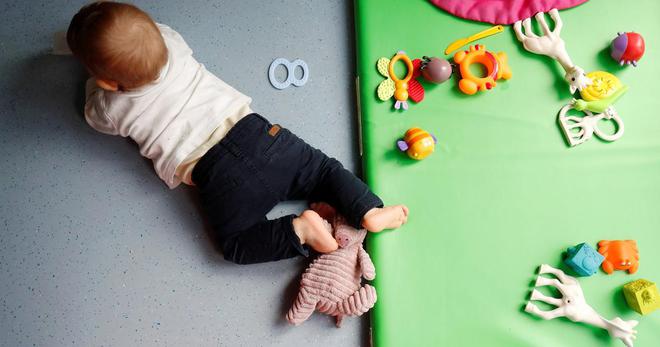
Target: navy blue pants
point(258, 165)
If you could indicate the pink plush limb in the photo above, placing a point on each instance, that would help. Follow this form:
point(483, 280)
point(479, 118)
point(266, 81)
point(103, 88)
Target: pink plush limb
point(358, 303)
point(338, 320)
point(367, 266)
point(302, 308)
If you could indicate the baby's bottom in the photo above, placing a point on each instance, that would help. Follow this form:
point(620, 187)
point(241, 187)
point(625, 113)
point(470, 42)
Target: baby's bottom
point(258, 165)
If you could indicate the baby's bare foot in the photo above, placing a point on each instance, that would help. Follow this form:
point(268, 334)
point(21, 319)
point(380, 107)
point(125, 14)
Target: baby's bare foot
point(388, 217)
point(314, 231)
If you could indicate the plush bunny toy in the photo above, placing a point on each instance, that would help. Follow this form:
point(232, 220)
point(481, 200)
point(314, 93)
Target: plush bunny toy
point(332, 284)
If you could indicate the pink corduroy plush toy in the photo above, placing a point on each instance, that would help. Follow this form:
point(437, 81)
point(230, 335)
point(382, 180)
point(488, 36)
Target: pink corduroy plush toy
point(332, 284)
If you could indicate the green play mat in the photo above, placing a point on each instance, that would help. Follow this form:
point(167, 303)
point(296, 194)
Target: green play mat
point(503, 193)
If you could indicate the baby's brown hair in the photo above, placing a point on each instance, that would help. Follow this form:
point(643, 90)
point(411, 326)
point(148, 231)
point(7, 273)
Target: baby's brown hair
point(118, 42)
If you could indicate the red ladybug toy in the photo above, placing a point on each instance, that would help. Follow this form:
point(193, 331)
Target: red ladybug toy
point(627, 48)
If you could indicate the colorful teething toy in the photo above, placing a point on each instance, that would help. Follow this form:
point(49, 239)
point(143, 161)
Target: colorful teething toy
point(598, 89)
point(393, 86)
point(417, 143)
point(438, 70)
point(598, 98)
point(401, 86)
point(495, 64)
point(603, 86)
point(619, 255)
point(627, 48)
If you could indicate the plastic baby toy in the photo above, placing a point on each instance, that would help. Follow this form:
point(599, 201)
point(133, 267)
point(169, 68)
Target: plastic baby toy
point(417, 143)
point(619, 255)
point(598, 98)
point(627, 48)
point(401, 86)
point(598, 89)
point(495, 63)
point(552, 45)
point(435, 70)
point(642, 296)
point(393, 86)
point(573, 306)
point(583, 259)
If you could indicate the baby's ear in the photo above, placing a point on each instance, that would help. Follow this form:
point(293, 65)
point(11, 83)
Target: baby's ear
point(107, 85)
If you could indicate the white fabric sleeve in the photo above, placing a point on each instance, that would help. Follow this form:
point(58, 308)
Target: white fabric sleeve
point(94, 109)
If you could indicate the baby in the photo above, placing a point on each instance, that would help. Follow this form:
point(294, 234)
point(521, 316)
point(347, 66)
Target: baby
point(198, 130)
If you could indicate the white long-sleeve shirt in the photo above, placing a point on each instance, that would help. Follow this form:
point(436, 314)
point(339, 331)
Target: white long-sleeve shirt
point(173, 116)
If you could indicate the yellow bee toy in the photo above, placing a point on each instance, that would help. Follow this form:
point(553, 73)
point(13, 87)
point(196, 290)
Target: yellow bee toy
point(417, 143)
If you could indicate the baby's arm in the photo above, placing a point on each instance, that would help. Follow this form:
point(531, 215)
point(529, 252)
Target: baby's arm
point(95, 109)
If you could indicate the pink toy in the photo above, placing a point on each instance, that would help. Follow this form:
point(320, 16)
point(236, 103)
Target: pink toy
point(501, 11)
point(332, 284)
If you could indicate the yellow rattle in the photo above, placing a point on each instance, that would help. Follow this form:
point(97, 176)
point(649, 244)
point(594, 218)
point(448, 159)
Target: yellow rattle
point(401, 86)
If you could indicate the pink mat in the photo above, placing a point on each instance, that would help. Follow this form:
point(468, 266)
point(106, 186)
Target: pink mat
point(501, 11)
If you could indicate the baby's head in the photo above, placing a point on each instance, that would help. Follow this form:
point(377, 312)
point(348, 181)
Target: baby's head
point(119, 44)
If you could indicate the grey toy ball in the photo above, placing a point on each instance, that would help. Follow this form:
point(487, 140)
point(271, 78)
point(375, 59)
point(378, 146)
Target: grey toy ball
point(435, 70)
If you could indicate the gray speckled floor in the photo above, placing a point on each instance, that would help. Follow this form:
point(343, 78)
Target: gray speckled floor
point(94, 249)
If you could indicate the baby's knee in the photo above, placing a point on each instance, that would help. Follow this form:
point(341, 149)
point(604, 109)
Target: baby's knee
point(231, 250)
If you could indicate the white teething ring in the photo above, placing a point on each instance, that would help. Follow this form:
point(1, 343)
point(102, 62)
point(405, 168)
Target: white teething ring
point(290, 70)
point(588, 125)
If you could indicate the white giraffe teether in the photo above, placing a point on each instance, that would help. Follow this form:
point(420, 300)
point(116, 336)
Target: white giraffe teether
point(552, 45)
point(573, 306)
point(578, 130)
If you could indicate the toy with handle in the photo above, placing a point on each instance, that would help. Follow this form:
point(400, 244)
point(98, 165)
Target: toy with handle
point(573, 306)
point(401, 85)
point(552, 45)
point(478, 36)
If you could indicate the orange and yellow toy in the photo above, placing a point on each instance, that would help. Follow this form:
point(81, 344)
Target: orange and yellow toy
point(417, 143)
point(401, 85)
point(619, 255)
point(393, 86)
point(495, 63)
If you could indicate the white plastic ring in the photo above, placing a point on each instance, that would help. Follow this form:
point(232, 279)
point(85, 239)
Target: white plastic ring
point(290, 70)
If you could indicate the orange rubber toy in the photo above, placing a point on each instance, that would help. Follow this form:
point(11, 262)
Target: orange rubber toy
point(495, 64)
point(619, 255)
point(401, 85)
